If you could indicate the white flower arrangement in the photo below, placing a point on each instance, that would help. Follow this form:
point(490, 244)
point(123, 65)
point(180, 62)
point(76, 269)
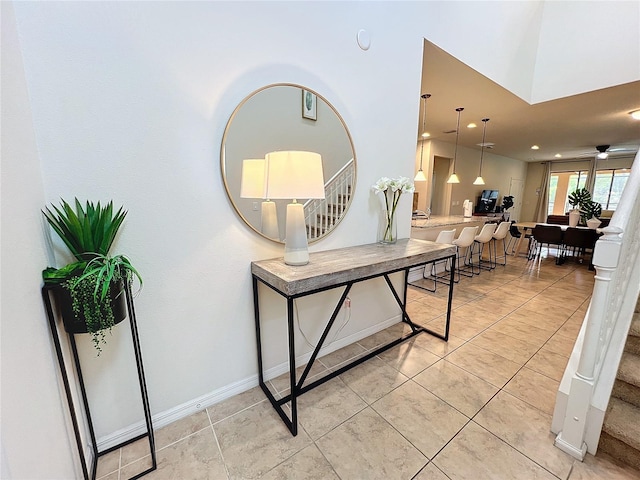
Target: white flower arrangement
point(392, 188)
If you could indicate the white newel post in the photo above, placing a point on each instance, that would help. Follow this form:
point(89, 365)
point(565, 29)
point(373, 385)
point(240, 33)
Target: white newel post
point(605, 260)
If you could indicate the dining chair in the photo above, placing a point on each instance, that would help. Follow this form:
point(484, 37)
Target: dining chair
point(515, 234)
point(547, 235)
point(558, 219)
point(580, 241)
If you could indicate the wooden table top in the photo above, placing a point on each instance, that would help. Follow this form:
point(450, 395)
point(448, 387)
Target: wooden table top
point(336, 267)
point(530, 225)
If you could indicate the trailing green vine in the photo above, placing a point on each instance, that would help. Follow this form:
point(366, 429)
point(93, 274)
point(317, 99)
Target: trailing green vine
point(97, 312)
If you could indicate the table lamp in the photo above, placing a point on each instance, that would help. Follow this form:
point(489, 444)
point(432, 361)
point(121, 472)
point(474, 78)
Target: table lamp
point(294, 175)
point(252, 185)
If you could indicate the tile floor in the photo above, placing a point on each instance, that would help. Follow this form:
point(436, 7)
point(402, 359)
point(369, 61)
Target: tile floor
point(477, 407)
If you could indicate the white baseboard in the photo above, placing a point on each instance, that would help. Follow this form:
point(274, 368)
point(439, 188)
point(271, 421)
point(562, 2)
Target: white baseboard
point(195, 405)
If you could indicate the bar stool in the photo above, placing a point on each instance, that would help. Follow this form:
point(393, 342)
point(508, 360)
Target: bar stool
point(465, 241)
point(500, 234)
point(445, 236)
point(480, 240)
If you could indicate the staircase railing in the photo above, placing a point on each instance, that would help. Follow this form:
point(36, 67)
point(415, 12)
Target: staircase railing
point(586, 386)
point(322, 215)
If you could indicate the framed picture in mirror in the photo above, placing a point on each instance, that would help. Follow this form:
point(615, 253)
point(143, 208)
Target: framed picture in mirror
point(309, 105)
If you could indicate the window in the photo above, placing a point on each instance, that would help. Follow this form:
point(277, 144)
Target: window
point(607, 190)
point(608, 187)
point(553, 187)
point(561, 184)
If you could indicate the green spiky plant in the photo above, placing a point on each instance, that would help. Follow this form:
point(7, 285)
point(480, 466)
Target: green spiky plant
point(88, 230)
point(95, 278)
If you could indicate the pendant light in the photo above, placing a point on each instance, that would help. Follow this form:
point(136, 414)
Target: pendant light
point(420, 177)
point(480, 180)
point(454, 178)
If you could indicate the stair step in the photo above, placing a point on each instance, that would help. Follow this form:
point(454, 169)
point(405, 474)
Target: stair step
point(632, 345)
point(635, 325)
point(622, 421)
point(629, 369)
point(618, 450)
point(627, 392)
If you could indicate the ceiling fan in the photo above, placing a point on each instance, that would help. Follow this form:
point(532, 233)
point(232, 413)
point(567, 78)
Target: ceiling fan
point(602, 151)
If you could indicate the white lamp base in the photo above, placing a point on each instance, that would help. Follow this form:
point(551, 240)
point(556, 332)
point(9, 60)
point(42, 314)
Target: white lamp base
point(269, 219)
point(296, 250)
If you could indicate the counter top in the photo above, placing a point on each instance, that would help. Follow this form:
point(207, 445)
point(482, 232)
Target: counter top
point(443, 221)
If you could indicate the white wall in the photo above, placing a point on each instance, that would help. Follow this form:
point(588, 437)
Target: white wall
point(33, 415)
point(610, 30)
point(129, 101)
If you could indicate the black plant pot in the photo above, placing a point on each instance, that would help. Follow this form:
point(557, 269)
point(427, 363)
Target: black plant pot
point(77, 323)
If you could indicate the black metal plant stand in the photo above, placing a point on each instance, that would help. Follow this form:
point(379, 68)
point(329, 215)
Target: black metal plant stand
point(90, 472)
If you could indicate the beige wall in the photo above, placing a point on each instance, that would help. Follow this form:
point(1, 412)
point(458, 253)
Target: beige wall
point(497, 171)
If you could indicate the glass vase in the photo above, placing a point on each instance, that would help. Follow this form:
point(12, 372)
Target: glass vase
point(388, 230)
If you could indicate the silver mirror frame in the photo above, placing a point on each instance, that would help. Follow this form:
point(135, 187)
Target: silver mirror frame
point(224, 167)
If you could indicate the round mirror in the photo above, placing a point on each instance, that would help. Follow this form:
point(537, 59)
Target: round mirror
point(287, 117)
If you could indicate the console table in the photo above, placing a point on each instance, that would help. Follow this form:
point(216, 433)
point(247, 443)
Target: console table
point(333, 269)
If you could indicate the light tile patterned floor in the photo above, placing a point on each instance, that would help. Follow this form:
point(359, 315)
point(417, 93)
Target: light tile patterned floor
point(477, 407)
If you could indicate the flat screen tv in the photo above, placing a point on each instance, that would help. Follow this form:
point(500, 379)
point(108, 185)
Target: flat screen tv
point(487, 201)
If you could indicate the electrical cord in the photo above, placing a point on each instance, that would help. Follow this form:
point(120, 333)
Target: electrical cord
point(347, 318)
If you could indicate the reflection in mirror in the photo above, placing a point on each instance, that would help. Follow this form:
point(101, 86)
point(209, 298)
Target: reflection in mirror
point(277, 118)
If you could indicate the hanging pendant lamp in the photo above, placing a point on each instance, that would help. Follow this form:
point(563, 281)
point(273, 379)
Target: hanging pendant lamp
point(480, 180)
point(454, 178)
point(420, 176)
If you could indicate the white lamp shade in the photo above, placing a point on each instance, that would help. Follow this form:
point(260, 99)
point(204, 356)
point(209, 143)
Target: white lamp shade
point(420, 177)
point(294, 175)
point(269, 220)
point(478, 181)
point(252, 184)
point(453, 179)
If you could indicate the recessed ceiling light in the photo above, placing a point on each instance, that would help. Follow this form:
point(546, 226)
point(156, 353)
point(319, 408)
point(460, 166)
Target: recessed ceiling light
point(472, 125)
point(535, 147)
point(635, 114)
point(426, 135)
point(558, 155)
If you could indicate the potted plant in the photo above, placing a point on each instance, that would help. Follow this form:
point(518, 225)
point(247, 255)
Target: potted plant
point(90, 291)
point(577, 199)
point(591, 212)
point(507, 203)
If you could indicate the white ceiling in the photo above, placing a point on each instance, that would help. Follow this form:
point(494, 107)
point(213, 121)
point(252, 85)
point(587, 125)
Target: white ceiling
point(571, 126)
